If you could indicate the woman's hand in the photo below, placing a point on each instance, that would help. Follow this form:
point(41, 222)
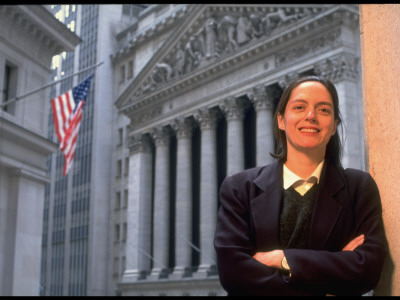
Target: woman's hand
point(353, 244)
point(274, 258)
point(270, 258)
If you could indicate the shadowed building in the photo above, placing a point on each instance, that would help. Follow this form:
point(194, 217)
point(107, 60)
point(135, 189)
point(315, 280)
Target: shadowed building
point(76, 247)
point(29, 38)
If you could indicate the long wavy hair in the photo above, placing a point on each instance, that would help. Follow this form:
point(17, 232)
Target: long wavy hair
point(334, 147)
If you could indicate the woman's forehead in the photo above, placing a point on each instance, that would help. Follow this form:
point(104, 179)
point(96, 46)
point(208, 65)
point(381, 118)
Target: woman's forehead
point(310, 90)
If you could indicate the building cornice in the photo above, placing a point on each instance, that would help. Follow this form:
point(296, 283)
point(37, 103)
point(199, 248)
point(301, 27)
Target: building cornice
point(132, 101)
point(18, 134)
point(139, 37)
point(39, 22)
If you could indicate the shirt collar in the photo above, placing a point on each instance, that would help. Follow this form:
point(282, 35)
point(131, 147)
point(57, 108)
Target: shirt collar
point(289, 178)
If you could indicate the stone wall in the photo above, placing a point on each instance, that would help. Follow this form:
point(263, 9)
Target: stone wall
point(380, 52)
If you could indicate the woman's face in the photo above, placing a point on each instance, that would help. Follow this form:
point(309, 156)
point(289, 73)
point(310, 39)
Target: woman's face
point(308, 120)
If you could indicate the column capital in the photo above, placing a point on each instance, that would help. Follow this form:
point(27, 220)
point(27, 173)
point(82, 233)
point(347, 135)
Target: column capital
point(161, 135)
point(183, 127)
point(207, 118)
point(138, 143)
point(285, 80)
point(259, 97)
point(233, 108)
point(338, 68)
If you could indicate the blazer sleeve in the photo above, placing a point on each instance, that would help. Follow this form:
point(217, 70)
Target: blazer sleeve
point(239, 272)
point(348, 272)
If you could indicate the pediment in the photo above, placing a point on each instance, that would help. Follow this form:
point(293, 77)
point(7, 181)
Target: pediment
point(211, 35)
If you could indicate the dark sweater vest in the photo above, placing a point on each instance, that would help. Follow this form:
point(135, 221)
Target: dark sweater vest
point(295, 219)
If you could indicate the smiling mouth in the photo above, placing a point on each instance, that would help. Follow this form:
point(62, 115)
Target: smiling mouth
point(309, 130)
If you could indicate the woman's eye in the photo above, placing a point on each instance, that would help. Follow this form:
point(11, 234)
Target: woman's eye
point(298, 107)
point(324, 110)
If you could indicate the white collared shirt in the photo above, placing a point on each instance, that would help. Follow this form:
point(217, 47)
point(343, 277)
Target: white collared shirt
point(301, 185)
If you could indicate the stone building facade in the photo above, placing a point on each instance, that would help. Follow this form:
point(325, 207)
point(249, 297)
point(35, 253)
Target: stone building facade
point(197, 88)
point(29, 38)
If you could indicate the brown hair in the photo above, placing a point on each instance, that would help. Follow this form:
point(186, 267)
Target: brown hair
point(334, 147)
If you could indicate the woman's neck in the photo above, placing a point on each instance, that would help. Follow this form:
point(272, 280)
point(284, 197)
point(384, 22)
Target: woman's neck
point(302, 164)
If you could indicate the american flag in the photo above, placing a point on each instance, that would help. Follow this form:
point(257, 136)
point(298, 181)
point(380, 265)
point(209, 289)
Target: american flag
point(67, 114)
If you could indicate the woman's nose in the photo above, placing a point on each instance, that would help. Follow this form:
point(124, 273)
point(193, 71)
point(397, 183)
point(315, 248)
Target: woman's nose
point(310, 114)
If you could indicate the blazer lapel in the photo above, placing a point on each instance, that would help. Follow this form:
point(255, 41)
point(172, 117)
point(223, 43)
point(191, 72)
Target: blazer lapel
point(265, 208)
point(326, 208)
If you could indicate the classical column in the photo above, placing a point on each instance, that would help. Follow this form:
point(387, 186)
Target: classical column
point(161, 138)
point(208, 189)
point(183, 202)
point(138, 244)
point(342, 71)
point(234, 112)
point(264, 126)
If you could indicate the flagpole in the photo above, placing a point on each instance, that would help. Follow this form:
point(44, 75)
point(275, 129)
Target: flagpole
point(195, 248)
point(49, 84)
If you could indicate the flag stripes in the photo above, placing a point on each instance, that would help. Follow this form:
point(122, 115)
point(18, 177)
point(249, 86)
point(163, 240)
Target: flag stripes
point(67, 114)
point(63, 107)
point(69, 142)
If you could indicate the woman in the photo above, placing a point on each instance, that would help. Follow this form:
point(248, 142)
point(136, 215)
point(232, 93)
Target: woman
point(302, 225)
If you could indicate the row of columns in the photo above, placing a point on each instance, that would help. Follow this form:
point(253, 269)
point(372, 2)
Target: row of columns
point(141, 184)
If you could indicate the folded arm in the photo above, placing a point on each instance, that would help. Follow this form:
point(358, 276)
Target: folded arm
point(244, 270)
point(274, 258)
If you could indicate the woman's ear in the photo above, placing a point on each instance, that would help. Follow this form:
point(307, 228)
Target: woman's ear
point(281, 122)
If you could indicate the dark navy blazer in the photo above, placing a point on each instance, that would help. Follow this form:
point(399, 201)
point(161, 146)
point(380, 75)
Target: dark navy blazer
point(347, 205)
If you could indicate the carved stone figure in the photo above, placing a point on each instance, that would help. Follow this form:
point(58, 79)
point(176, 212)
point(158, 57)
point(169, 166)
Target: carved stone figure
point(194, 52)
point(189, 56)
point(148, 85)
point(256, 26)
point(243, 30)
point(219, 34)
point(276, 18)
point(179, 62)
point(164, 71)
point(211, 37)
point(227, 28)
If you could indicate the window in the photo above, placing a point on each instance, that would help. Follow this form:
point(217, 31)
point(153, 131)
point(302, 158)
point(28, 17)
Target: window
point(126, 166)
point(71, 26)
point(122, 74)
point(66, 11)
point(125, 198)
point(130, 69)
point(118, 200)
point(124, 232)
point(9, 87)
point(119, 168)
point(120, 136)
point(116, 234)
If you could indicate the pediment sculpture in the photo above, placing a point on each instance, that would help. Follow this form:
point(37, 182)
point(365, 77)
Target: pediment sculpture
point(220, 32)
